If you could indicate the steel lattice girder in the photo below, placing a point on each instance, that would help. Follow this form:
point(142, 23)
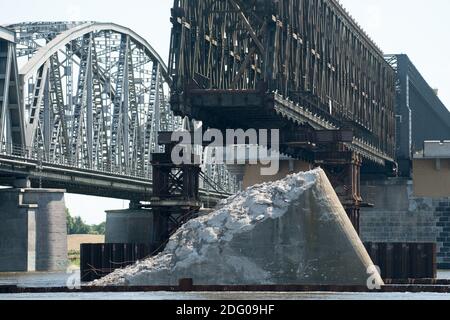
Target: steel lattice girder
point(95, 96)
point(311, 53)
point(11, 114)
point(83, 92)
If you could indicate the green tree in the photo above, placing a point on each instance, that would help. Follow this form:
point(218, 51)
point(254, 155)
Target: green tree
point(75, 225)
point(98, 228)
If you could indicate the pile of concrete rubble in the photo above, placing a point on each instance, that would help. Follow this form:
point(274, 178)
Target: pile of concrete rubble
point(292, 231)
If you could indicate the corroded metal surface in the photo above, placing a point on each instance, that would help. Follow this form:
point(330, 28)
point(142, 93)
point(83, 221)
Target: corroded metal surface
point(310, 54)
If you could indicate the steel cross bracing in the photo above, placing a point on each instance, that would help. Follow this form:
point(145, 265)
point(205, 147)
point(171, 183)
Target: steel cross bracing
point(151, 128)
point(11, 124)
point(132, 144)
point(311, 53)
point(99, 138)
point(116, 144)
point(94, 96)
point(59, 140)
point(81, 100)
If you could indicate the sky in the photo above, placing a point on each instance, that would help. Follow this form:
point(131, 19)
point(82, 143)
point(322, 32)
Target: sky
point(415, 27)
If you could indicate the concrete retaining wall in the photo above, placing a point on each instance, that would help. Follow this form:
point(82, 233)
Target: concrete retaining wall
point(129, 226)
point(399, 216)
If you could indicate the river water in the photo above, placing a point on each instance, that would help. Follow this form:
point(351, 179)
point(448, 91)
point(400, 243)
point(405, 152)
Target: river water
point(64, 279)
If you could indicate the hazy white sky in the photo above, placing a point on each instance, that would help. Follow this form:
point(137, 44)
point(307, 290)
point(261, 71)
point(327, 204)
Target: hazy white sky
point(415, 27)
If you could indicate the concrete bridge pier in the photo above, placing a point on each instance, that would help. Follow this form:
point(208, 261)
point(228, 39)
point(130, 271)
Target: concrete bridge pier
point(33, 229)
point(148, 226)
point(133, 225)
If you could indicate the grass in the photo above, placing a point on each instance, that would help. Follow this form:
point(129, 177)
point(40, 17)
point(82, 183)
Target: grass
point(74, 258)
point(74, 242)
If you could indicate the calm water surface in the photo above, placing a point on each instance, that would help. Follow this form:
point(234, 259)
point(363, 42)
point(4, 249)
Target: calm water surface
point(60, 280)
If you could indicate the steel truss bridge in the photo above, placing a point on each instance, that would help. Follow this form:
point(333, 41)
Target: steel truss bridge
point(282, 64)
point(302, 66)
point(81, 104)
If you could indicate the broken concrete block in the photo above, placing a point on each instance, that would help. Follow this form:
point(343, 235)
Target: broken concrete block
point(293, 231)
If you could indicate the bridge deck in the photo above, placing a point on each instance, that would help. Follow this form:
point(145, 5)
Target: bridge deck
point(252, 109)
point(84, 181)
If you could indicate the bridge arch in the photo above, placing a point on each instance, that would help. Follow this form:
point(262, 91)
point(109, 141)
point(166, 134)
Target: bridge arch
point(94, 97)
point(73, 33)
point(95, 94)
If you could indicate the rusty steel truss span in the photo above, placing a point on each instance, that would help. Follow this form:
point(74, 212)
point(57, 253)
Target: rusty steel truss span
point(308, 54)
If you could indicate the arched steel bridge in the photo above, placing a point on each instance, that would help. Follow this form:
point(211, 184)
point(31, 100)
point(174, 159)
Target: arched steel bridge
point(91, 97)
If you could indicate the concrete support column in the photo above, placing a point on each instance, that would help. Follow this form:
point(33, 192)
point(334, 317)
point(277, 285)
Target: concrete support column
point(33, 230)
point(129, 226)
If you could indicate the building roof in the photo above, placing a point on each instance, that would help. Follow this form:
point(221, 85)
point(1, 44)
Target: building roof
point(435, 150)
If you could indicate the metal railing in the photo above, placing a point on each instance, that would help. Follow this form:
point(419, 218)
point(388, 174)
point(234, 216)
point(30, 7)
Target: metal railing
point(41, 158)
